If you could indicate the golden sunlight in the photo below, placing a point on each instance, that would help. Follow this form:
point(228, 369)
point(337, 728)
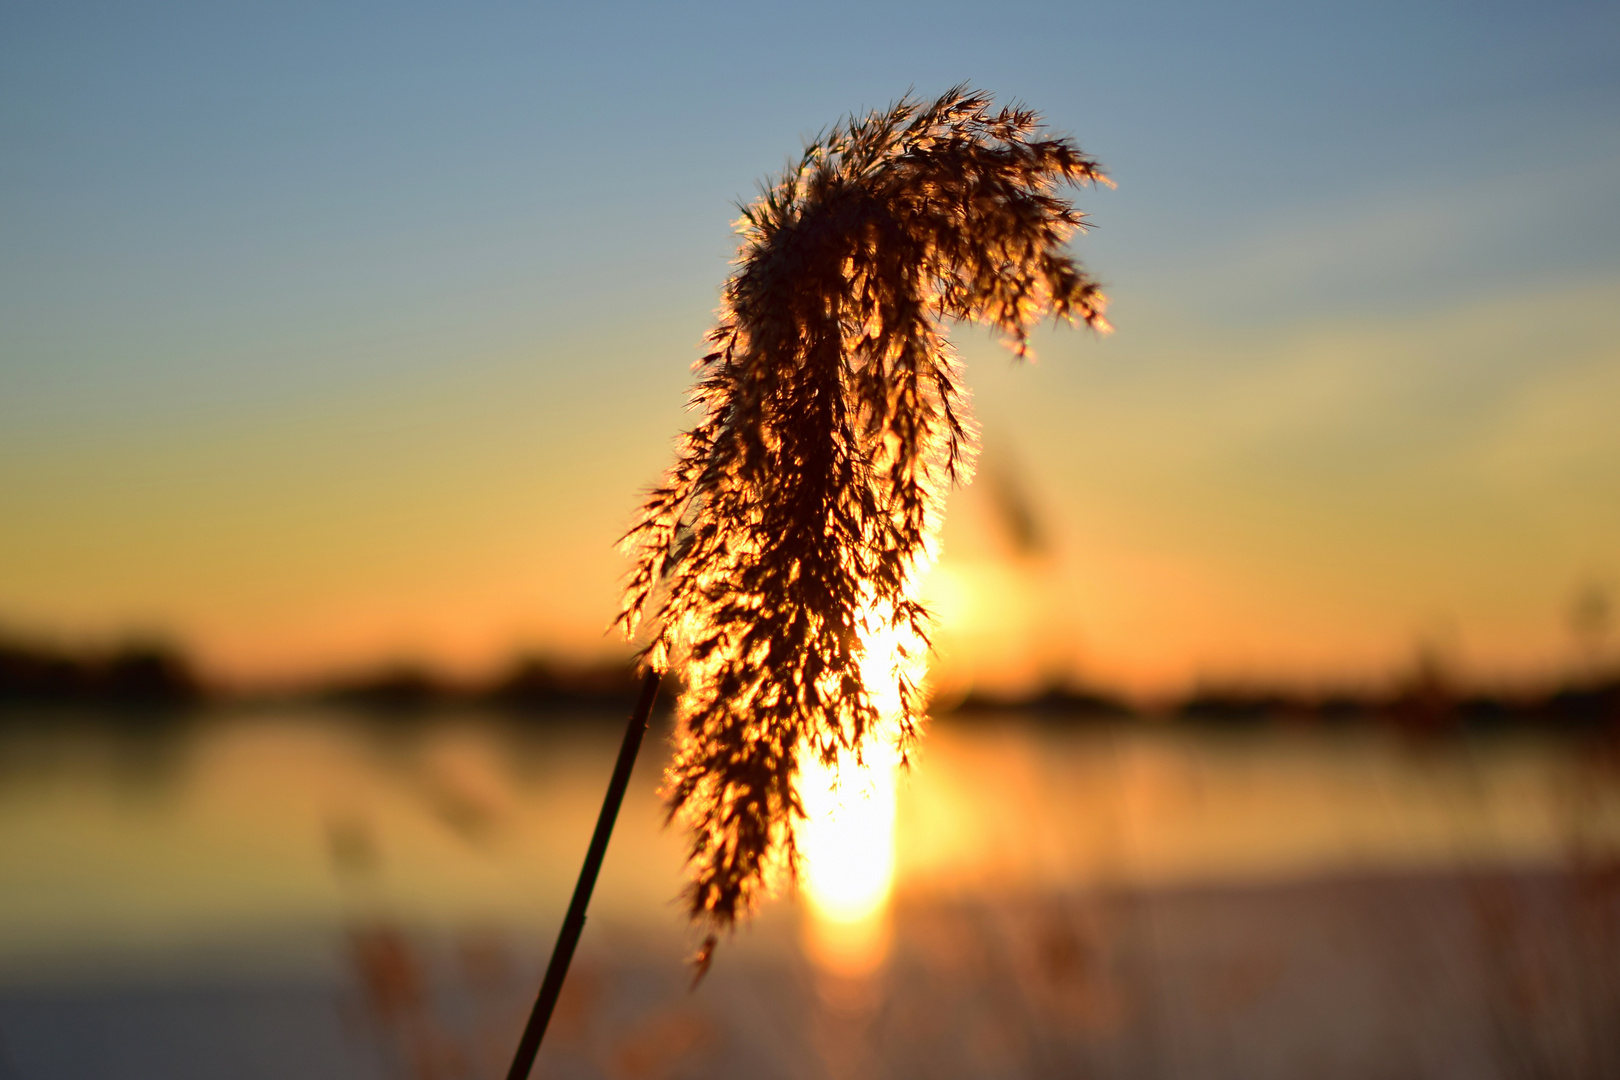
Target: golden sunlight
point(847, 837)
point(847, 841)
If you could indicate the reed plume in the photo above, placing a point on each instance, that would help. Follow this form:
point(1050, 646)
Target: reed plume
point(803, 506)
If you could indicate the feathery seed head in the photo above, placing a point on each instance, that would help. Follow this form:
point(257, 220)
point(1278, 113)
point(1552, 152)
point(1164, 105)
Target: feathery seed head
point(804, 505)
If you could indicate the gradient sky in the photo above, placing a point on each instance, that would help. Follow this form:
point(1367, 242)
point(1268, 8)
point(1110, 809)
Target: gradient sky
point(334, 332)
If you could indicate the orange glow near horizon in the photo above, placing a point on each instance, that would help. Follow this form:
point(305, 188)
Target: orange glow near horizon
point(1192, 534)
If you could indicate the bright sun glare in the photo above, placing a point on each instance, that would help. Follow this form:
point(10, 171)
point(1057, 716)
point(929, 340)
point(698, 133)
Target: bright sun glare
point(847, 838)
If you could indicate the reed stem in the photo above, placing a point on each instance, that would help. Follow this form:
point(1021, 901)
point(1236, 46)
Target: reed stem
point(574, 922)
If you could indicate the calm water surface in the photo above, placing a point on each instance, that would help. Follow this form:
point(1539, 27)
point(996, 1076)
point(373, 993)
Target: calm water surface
point(327, 894)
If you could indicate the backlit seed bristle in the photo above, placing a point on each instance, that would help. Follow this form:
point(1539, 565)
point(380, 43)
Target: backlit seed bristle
point(803, 506)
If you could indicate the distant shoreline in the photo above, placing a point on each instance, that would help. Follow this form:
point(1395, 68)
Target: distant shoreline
point(144, 677)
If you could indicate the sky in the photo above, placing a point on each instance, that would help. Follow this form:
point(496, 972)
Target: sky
point(337, 333)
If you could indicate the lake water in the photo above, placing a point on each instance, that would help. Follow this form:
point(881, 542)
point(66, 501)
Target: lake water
point(316, 893)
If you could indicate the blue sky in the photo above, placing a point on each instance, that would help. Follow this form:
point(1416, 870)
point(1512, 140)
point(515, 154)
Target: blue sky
point(332, 331)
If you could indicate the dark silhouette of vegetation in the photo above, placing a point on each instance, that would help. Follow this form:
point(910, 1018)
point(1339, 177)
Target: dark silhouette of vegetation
point(143, 675)
point(1056, 702)
point(139, 675)
point(529, 686)
point(398, 688)
point(1419, 705)
point(537, 684)
point(802, 508)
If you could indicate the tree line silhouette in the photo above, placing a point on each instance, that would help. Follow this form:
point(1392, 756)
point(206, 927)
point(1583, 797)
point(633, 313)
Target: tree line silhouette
point(143, 675)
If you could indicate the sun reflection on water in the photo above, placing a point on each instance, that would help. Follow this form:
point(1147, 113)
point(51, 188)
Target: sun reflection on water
point(847, 837)
point(847, 841)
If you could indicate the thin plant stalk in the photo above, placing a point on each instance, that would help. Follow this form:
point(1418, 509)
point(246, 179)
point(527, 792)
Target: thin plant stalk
point(802, 509)
point(574, 922)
